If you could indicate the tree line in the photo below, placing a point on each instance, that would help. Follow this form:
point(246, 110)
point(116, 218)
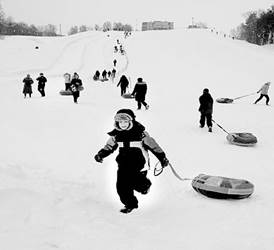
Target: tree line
point(9, 27)
point(107, 26)
point(258, 27)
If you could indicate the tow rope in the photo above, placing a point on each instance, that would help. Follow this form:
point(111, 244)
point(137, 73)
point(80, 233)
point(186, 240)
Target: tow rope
point(160, 170)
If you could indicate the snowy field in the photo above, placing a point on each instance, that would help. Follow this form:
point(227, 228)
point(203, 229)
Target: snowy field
point(53, 194)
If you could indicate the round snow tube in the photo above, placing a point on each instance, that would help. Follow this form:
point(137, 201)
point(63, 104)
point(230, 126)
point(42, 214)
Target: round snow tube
point(65, 92)
point(224, 100)
point(242, 139)
point(69, 92)
point(222, 187)
point(128, 96)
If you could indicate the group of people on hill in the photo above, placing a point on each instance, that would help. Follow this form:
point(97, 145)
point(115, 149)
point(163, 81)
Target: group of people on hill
point(133, 142)
point(106, 75)
point(73, 84)
point(28, 81)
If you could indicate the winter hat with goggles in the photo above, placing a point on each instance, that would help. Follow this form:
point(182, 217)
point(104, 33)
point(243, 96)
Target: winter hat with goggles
point(124, 115)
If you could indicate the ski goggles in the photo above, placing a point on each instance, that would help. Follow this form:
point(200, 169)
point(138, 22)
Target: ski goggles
point(122, 117)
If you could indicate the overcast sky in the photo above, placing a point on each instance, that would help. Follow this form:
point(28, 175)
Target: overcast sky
point(222, 14)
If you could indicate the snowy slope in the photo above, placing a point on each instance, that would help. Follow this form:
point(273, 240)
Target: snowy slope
point(55, 196)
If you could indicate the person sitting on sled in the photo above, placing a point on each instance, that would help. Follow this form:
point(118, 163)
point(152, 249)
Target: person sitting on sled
point(133, 142)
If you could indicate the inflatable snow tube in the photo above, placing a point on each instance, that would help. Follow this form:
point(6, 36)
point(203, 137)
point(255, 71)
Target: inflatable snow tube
point(224, 100)
point(242, 139)
point(127, 96)
point(65, 92)
point(222, 187)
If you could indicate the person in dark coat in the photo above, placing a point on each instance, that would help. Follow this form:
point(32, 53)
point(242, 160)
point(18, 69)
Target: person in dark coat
point(114, 62)
point(206, 109)
point(41, 84)
point(113, 74)
point(109, 74)
point(104, 75)
point(139, 91)
point(75, 83)
point(27, 89)
point(133, 143)
point(96, 75)
point(123, 84)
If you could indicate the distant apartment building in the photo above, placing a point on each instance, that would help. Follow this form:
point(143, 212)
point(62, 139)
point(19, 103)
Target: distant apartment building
point(157, 25)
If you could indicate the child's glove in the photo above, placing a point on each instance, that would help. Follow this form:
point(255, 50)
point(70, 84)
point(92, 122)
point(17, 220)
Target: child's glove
point(98, 158)
point(164, 162)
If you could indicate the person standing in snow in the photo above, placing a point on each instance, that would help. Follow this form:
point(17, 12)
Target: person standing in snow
point(76, 82)
point(206, 109)
point(123, 84)
point(133, 143)
point(67, 81)
point(114, 62)
point(104, 75)
point(139, 91)
point(264, 93)
point(96, 75)
point(27, 89)
point(41, 84)
point(113, 74)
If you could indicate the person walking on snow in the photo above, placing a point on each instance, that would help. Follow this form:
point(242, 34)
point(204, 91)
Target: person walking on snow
point(264, 93)
point(104, 75)
point(133, 142)
point(114, 62)
point(206, 109)
point(76, 82)
point(41, 84)
point(123, 84)
point(139, 91)
point(27, 89)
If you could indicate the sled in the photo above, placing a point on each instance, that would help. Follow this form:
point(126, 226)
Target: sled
point(230, 100)
point(224, 100)
point(69, 92)
point(127, 96)
point(65, 92)
point(242, 139)
point(222, 187)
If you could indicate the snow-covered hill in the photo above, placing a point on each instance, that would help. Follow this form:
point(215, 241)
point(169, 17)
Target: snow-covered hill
point(54, 195)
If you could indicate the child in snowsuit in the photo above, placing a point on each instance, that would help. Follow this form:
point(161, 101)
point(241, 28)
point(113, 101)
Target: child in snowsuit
point(264, 93)
point(139, 92)
point(76, 82)
point(41, 84)
point(27, 89)
point(133, 143)
point(206, 109)
point(123, 84)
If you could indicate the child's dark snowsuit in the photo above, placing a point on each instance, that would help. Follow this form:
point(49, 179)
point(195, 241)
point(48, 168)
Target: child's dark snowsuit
point(133, 144)
point(139, 92)
point(206, 109)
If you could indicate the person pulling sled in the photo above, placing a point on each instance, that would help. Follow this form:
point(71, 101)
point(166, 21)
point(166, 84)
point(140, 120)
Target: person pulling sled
point(133, 142)
point(206, 109)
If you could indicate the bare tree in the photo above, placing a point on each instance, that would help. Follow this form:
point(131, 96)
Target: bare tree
point(107, 26)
